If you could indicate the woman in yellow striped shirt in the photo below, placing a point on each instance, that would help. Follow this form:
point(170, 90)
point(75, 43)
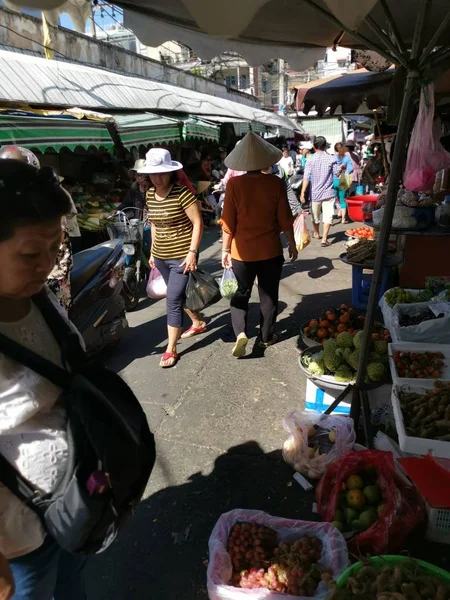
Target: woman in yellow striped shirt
point(177, 228)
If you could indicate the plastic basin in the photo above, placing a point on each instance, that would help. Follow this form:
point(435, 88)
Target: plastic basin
point(355, 203)
point(381, 561)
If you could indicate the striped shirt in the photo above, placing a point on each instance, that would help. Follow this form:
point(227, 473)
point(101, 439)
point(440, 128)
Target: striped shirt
point(173, 234)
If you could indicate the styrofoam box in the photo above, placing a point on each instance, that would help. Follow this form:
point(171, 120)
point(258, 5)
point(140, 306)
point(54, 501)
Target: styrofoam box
point(318, 399)
point(423, 347)
point(408, 443)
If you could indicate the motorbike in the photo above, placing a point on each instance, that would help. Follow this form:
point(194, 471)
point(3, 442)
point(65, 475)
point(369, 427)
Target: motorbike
point(135, 235)
point(98, 309)
point(296, 181)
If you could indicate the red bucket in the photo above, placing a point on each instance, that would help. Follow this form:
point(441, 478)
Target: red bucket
point(355, 206)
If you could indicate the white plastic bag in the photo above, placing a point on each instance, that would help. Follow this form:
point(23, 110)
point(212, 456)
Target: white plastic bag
point(228, 284)
point(388, 311)
point(426, 155)
point(302, 236)
point(334, 553)
point(436, 331)
point(313, 430)
point(156, 286)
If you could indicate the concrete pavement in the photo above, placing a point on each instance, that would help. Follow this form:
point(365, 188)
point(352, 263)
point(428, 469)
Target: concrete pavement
point(217, 422)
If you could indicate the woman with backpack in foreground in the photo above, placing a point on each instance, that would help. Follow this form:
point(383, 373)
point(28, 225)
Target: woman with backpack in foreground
point(76, 487)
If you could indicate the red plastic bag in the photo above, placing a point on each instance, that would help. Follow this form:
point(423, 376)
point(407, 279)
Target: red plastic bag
point(301, 233)
point(403, 508)
point(156, 286)
point(334, 553)
point(426, 156)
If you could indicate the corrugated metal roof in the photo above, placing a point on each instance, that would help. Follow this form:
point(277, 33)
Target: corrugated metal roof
point(39, 81)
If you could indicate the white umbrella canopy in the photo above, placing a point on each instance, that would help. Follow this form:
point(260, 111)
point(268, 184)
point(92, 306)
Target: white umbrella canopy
point(296, 30)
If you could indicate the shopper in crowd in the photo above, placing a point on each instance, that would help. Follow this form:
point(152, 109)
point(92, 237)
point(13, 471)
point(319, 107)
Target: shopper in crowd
point(286, 163)
point(294, 203)
point(219, 167)
point(320, 171)
point(255, 211)
point(351, 149)
point(307, 151)
point(33, 427)
point(205, 173)
point(69, 183)
point(341, 193)
point(177, 228)
point(135, 197)
point(293, 153)
point(374, 167)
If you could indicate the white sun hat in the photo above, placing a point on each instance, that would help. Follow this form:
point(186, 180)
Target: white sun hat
point(158, 160)
point(306, 146)
point(138, 165)
point(253, 154)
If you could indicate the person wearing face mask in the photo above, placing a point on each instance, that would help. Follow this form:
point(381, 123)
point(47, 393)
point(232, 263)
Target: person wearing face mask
point(177, 229)
point(33, 427)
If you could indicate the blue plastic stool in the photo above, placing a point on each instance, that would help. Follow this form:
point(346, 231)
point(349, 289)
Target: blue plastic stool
point(361, 282)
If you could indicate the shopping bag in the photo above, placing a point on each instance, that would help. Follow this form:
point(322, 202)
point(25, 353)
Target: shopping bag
point(400, 512)
point(301, 234)
point(426, 156)
point(343, 182)
point(202, 291)
point(220, 567)
point(156, 286)
point(228, 284)
point(316, 440)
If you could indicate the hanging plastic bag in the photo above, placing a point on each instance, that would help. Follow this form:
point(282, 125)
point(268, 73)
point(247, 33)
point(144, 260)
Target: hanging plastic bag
point(220, 569)
point(202, 291)
point(316, 441)
point(228, 284)
point(301, 233)
point(156, 286)
point(426, 156)
point(400, 511)
point(344, 181)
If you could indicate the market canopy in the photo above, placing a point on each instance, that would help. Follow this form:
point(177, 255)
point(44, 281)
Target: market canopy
point(146, 128)
point(194, 127)
point(61, 83)
point(42, 133)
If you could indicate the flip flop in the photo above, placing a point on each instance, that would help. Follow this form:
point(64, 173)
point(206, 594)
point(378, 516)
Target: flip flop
point(192, 331)
point(240, 346)
point(325, 244)
point(173, 356)
point(273, 341)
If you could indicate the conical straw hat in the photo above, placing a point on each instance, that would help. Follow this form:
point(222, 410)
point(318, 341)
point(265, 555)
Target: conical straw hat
point(253, 154)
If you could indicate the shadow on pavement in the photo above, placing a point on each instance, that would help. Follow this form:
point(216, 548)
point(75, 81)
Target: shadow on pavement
point(163, 553)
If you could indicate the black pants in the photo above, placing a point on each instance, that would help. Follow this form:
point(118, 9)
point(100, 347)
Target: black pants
point(269, 275)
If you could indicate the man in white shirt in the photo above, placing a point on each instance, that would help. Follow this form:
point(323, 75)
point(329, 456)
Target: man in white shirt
point(286, 163)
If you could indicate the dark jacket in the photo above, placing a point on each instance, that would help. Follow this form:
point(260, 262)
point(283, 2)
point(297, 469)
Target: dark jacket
point(133, 199)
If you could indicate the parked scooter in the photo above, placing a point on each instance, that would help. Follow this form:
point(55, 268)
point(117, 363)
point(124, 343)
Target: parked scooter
point(135, 234)
point(98, 309)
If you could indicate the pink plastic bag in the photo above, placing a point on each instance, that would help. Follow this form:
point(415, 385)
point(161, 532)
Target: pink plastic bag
point(301, 233)
point(334, 553)
point(426, 156)
point(156, 286)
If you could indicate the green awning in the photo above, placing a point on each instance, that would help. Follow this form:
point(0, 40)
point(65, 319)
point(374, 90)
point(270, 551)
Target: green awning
point(198, 128)
point(42, 133)
point(146, 128)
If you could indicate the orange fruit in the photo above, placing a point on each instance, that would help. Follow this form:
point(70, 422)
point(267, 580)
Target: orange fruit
point(322, 333)
point(331, 316)
point(313, 323)
point(345, 318)
point(376, 336)
point(324, 323)
point(307, 330)
point(343, 307)
point(341, 328)
point(331, 330)
point(356, 499)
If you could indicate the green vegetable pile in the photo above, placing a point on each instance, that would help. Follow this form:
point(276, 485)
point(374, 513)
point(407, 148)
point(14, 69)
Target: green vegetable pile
point(405, 580)
point(340, 358)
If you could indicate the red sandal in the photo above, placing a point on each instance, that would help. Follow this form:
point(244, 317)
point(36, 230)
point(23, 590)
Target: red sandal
point(169, 356)
point(192, 331)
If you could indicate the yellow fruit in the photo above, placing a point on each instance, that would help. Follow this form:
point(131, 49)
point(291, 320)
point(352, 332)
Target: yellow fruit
point(355, 482)
point(356, 499)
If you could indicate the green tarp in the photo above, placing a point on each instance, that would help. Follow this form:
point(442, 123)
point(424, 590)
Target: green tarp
point(197, 128)
point(146, 128)
point(42, 133)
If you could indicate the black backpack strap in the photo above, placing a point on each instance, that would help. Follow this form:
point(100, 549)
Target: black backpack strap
point(16, 482)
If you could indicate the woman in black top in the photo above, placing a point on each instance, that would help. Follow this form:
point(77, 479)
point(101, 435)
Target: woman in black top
point(135, 197)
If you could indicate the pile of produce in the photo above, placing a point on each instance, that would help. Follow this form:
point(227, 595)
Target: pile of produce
point(332, 322)
point(93, 211)
point(416, 316)
point(260, 561)
point(363, 252)
point(360, 502)
point(414, 199)
point(399, 295)
point(340, 358)
point(364, 233)
point(404, 580)
point(419, 365)
point(427, 415)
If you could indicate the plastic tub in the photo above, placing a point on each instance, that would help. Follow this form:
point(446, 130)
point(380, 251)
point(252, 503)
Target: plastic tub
point(381, 561)
point(355, 203)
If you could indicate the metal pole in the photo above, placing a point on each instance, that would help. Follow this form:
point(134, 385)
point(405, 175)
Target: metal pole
point(432, 43)
point(393, 26)
point(386, 41)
